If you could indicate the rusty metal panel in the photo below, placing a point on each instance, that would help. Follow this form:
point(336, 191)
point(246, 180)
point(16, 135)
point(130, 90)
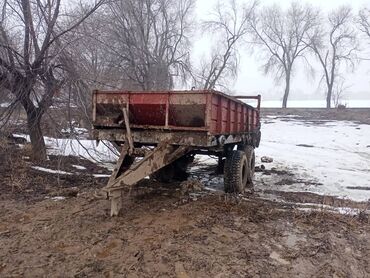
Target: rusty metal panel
point(107, 108)
point(232, 117)
point(153, 137)
point(187, 110)
point(111, 98)
point(188, 98)
point(209, 111)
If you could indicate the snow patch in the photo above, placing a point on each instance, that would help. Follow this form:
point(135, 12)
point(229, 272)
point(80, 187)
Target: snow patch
point(104, 152)
point(101, 176)
point(46, 170)
point(75, 130)
point(79, 167)
point(56, 198)
point(27, 137)
point(337, 163)
point(5, 104)
point(339, 210)
point(339, 158)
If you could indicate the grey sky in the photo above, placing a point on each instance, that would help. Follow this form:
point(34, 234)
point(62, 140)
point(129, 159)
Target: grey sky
point(252, 80)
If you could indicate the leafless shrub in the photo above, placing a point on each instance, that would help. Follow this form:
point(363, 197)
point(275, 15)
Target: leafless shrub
point(338, 94)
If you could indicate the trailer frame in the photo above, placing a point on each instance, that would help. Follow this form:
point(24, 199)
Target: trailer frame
point(236, 124)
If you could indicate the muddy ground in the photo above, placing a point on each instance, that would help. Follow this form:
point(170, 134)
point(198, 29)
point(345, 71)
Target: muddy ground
point(57, 226)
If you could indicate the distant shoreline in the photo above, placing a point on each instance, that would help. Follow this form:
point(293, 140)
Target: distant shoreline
point(319, 115)
point(314, 103)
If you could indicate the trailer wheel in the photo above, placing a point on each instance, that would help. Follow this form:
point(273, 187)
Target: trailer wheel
point(220, 166)
point(236, 172)
point(251, 158)
point(165, 175)
point(176, 171)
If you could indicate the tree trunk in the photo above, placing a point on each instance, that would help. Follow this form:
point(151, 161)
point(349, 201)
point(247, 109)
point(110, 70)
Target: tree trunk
point(37, 139)
point(329, 96)
point(287, 89)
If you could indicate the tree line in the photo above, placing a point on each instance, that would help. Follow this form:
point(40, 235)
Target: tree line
point(54, 49)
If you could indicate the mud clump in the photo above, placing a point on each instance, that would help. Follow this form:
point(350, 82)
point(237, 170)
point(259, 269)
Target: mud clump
point(266, 159)
point(191, 186)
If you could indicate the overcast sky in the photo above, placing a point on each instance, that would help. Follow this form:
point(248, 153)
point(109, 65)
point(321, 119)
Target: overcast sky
point(252, 80)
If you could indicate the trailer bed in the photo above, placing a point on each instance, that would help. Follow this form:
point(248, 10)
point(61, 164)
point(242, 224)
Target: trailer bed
point(196, 118)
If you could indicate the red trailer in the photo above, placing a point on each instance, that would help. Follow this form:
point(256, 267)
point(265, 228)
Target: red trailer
point(177, 125)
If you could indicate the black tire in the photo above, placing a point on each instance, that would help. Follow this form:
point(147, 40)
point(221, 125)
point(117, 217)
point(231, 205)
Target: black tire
point(251, 158)
point(236, 172)
point(165, 175)
point(220, 166)
point(176, 171)
point(257, 139)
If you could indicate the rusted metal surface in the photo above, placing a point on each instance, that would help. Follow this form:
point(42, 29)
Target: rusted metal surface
point(212, 112)
point(194, 139)
point(120, 164)
point(153, 137)
point(258, 98)
point(158, 158)
point(129, 139)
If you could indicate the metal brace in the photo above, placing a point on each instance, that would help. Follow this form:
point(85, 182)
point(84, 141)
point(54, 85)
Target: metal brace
point(129, 139)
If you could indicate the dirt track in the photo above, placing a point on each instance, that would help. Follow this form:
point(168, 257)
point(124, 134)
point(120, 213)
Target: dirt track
point(166, 233)
point(162, 234)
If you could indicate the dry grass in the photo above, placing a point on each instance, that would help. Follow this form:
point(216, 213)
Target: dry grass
point(14, 168)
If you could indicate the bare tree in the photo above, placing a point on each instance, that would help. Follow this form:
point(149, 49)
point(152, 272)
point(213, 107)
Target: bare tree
point(96, 63)
point(281, 36)
point(364, 21)
point(227, 26)
point(31, 64)
point(339, 92)
point(90, 62)
point(335, 46)
point(150, 40)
